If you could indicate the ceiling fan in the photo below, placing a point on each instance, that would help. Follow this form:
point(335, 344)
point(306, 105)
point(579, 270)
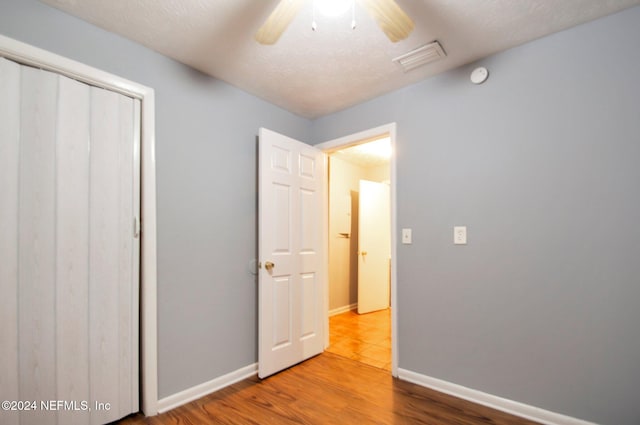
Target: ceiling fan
point(391, 19)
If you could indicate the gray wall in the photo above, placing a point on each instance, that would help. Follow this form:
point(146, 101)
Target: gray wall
point(206, 177)
point(542, 164)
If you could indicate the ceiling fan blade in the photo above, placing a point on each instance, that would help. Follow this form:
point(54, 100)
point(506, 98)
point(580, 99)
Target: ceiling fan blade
point(391, 19)
point(278, 21)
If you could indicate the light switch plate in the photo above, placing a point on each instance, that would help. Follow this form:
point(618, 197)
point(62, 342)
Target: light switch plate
point(406, 236)
point(460, 235)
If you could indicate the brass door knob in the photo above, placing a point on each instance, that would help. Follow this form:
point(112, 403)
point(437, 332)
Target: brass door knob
point(269, 265)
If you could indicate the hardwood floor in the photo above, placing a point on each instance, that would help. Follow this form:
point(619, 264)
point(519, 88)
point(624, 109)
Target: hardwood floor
point(329, 389)
point(362, 337)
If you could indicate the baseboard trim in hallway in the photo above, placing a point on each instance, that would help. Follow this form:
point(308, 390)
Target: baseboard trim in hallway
point(343, 309)
point(522, 410)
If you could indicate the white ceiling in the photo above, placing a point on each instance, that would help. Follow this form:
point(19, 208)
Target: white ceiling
point(316, 73)
point(370, 154)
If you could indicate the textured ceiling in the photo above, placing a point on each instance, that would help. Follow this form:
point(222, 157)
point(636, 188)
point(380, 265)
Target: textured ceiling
point(316, 73)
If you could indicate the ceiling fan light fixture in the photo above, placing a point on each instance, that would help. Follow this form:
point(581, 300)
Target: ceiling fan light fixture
point(391, 19)
point(421, 56)
point(333, 8)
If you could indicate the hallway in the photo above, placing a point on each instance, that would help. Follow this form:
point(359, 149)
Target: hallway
point(362, 337)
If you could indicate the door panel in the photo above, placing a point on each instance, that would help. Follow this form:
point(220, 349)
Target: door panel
point(309, 307)
point(290, 293)
point(374, 247)
point(9, 178)
point(308, 222)
point(282, 310)
point(36, 242)
point(111, 258)
point(72, 232)
point(281, 225)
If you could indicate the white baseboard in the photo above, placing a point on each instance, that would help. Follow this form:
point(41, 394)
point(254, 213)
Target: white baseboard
point(343, 309)
point(194, 393)
point(509, 406)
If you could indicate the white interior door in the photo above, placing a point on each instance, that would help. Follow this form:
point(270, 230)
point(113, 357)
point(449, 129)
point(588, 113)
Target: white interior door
point(69, 192)
point(374, 247)
point(291, 273)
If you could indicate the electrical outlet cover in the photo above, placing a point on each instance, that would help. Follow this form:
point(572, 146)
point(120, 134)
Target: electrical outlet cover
point(460, 235)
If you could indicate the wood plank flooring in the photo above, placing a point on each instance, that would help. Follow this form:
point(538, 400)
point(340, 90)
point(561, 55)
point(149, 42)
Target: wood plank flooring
point(329, 389)
point(362, 337)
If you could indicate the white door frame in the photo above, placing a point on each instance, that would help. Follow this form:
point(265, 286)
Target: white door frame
point(341, 143)
point(33, 56)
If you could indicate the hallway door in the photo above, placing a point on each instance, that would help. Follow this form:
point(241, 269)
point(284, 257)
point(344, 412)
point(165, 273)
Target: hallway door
point(374, 247)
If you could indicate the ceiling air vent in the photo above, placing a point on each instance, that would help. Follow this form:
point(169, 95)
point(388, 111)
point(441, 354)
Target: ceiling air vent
point(421, 56)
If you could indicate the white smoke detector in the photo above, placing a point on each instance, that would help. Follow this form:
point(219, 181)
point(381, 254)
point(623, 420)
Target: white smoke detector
point(479, 75)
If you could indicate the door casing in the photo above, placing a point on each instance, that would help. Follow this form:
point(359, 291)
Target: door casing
point(341, 143)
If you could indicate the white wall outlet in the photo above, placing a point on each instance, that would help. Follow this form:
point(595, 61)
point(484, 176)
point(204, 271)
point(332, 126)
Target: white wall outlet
point(460, 235)
point(406, 236)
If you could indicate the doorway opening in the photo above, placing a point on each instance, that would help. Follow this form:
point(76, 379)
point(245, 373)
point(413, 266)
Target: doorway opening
point(361, 283)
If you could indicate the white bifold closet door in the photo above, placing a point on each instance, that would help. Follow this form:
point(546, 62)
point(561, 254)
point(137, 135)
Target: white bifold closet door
point(69, 287)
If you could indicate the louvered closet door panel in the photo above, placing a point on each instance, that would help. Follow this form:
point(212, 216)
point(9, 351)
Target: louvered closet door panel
point(72, 262)
point(9, 154)
point(129, 254)
point(111, 252)
point(69, 185)
point(37, 242)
